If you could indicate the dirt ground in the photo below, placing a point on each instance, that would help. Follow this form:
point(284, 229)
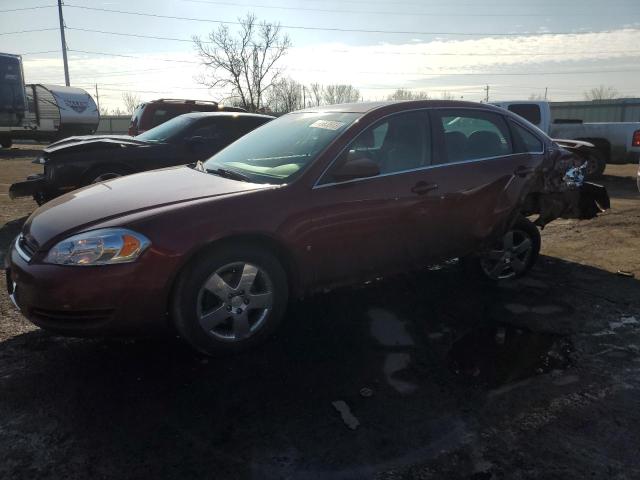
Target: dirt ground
point(439, 376)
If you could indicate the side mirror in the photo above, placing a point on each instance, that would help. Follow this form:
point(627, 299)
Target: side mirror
point(361, 167)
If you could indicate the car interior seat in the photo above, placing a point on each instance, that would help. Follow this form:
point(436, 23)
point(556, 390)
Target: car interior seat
point(403, 149)
point(483, 144)
point(456, 144)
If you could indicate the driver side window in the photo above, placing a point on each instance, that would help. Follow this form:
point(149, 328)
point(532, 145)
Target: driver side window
point(396, 144)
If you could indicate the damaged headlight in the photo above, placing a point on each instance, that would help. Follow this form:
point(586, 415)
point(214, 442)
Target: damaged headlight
point(99, 247)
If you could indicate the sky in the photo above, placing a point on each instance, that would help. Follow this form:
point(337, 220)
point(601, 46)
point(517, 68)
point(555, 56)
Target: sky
point(516, 47)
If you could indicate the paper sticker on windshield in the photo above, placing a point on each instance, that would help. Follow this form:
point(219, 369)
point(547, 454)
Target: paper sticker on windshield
point(327, 124)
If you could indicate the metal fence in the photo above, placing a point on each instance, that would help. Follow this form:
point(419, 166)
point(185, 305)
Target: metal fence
point(619, 110)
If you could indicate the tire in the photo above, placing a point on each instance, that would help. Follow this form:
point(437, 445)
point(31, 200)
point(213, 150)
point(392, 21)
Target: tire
point(240, 292)
point(6, 142)
point(596, 164)
point(516, 252)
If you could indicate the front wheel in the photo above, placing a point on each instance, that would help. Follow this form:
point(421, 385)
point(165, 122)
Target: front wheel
point(229, 299)
point(513, 255)
point(6, 142)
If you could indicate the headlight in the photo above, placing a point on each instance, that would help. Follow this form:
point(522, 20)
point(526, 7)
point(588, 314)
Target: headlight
point(41, 160)
point(99, 247)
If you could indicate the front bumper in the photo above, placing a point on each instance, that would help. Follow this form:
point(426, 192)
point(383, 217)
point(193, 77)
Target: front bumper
point(127, 299)
point(33, 186)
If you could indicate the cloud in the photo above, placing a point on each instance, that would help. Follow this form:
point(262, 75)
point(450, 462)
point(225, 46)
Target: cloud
point(375, 69)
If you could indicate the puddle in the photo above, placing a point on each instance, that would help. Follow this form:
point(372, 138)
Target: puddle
point(502, 354)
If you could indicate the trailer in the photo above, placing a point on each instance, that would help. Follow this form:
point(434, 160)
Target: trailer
point(13, 102)
point(41, 112)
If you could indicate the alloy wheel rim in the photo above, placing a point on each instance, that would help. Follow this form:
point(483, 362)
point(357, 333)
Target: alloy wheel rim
point(235, 301)
point(510, 257)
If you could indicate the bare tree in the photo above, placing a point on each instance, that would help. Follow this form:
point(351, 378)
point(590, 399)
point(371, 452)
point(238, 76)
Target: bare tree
point(537, 97)
point(333, 94)
point(601, 93)
point(404, 94)
point(131, 101)
point(244, 63)
point(446, 95)
point(285, 96)
point(316, 94)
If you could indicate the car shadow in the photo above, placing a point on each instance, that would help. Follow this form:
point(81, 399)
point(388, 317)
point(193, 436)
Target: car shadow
point(619, 186)
point(414, 359)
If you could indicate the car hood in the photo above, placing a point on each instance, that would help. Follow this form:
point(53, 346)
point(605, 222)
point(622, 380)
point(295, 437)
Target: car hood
point(80, 209)
point(92, 142)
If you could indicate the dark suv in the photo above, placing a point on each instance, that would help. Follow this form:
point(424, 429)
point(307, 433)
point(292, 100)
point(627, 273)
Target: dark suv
point(151, 114)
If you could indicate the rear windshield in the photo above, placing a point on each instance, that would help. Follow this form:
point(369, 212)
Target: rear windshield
point(528, 111)
point(282, 148)
point(168, 130)
point(137, 113)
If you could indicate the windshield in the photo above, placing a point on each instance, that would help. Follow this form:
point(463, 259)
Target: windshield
point(277, 151)
point(168, 130)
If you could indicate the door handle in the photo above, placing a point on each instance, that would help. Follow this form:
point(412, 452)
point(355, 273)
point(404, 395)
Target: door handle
point(523, 171)
point(421, 188)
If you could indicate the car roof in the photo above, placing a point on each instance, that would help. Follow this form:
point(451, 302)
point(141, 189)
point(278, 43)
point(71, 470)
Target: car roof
point(225, 114)
point(366, 107)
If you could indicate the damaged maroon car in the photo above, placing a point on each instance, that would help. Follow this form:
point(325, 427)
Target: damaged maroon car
point(315, 199)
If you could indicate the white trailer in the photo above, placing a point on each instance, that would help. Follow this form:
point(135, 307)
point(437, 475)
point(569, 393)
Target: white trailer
point(41, 111)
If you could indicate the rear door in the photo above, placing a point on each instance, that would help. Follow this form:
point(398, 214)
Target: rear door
point(480, 173)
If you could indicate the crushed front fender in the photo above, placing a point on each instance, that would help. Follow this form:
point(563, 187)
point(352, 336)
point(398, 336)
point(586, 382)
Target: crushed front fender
point(561, 192)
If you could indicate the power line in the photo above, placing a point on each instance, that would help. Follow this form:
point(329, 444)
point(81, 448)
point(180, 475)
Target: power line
point(440, 73)
point(328, 29)
point(21, 9)
point(39, 53)
point(389, 12)
point(377, 52)
point(133, 56)
point(28, 31)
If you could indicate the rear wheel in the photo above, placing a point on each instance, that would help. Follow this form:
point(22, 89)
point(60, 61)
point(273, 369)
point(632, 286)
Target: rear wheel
point(230, 299)
point(596, 164)
point(513, 255)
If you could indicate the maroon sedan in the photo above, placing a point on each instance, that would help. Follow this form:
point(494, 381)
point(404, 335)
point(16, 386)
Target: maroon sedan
point(312, 200)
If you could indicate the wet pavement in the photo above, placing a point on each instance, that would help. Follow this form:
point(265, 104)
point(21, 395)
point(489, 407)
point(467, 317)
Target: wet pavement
point(431, 375)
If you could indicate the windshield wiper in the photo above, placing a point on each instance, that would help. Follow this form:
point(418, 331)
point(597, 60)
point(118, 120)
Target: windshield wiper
point(232, 174)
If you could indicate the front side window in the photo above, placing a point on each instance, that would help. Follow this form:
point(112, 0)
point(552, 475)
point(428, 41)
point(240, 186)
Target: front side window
point(474, 135)
point(282, 148)
point(399, 143)
point(525, 141)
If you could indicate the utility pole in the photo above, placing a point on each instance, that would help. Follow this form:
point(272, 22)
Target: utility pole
point(97, 98)
point(487, 96)
point(546, 90)
point(64, 45)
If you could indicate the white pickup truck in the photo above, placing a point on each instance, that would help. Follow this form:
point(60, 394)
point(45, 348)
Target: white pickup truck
point(615, 142)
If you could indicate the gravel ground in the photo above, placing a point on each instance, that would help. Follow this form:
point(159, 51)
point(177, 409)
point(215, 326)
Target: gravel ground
point(422, 376)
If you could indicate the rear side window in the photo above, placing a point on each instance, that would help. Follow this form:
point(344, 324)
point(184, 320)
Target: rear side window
point(160, 116)
point(474, 135)
point(528, 111)
point(525, 141)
